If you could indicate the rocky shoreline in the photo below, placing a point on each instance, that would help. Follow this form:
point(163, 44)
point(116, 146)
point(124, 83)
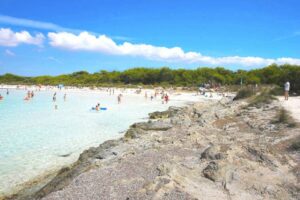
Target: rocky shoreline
point(218, 150)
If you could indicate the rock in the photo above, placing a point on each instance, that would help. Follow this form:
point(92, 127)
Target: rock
point(155, 126)
point(163, 170)
point(260, 157)
point(212, 153)
point(159, 115)
point(172, 111)
point(211, 171)
point(134, 133)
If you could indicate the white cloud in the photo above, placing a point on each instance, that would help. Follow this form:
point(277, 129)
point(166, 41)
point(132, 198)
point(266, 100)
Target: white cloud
point(12, 39)
point(45, 26)
point(103, 44)
point(9, 53)
point(34, 24)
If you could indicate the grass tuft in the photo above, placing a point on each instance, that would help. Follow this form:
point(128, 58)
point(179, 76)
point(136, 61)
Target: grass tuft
point(284, 117)
point(264, 97)
point(244, 93)
point(295, 146)
point(276, 91)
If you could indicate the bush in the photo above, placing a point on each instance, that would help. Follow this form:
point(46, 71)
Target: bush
point(284, 117)
point(276, 91)
point(244, 93)
point(265, 97)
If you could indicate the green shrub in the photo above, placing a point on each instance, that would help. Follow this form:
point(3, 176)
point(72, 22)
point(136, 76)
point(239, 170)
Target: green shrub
point(264, 97)
point(284, 117)
point(276, 91)
point(244, 93)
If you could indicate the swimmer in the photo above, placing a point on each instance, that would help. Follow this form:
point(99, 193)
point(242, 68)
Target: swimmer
point(1, 97)
point(65, 97)
point(97, 107)
point(7, 92)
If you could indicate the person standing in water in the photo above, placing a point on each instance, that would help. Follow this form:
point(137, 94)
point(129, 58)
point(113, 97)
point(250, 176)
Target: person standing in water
point(166, 98)
point(1, 97)
point(119, 98)
point(54, 97)
point(286, 90)
point(7, 92)
point(65, 97)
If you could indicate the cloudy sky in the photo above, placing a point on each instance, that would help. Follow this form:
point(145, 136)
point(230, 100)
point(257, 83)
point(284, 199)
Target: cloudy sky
point(54, 37)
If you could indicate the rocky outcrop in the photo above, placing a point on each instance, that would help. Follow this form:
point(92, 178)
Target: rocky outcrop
point(216, 150)
point(171, 112)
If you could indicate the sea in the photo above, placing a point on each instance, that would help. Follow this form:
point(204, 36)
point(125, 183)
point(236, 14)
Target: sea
point(36, 138)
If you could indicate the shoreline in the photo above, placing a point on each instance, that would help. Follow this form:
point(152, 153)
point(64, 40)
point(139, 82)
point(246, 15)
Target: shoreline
point(212, 151)
point(33, 186)
point(38, 181)
point(218, 150)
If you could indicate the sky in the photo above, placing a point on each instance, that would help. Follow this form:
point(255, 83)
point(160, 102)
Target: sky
point(52, 37)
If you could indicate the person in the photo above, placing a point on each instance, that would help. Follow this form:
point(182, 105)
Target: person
point(166, 98)
point(119, 98)
point(1, 97)
point(32, 94)
point(286, 90)
point(26, 98)
point(7, 92)
point(97, 107)
point(65, 97)
point(28, 94)
point(54, 97)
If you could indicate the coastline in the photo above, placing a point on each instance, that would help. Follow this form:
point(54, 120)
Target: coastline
point(220, 150)
point(36, 185)
point(38, 181)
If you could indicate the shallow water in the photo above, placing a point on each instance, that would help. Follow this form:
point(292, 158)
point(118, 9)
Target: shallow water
point(35, 138)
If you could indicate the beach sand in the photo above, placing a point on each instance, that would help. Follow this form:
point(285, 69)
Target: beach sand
point(293, 106)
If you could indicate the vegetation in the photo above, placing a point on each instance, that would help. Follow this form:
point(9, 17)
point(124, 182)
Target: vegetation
point(273, 74)
point(264, 97)
point(244, 93)
point(295, 146)
point(284, 117)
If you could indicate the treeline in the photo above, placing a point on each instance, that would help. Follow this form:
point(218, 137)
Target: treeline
point(273, 74)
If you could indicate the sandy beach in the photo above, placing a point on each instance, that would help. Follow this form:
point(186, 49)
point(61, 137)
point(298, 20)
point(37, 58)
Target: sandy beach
point(293, 106)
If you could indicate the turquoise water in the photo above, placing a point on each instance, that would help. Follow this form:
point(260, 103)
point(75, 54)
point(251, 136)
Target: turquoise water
point(34, 136)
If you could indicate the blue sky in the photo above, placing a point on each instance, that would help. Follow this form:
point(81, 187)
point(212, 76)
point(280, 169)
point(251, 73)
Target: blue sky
point(54, 37)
